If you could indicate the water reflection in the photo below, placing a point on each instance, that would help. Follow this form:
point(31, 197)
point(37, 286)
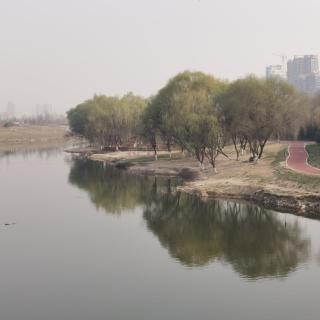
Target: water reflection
point(257, 243)
point(112, 189)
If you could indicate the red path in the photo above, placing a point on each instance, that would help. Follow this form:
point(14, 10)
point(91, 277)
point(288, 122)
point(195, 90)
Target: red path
point(298, 156)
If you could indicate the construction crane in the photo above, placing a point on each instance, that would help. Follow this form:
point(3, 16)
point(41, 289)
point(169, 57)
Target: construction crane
point(283, 59)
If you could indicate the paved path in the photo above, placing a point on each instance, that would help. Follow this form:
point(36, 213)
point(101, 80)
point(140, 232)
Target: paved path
point(298, 156)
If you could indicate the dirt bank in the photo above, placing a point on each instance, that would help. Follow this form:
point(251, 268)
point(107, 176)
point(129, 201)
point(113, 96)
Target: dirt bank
point(267, 183)
point(32, 137)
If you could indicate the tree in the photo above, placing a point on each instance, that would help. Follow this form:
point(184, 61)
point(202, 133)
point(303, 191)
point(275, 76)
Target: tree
point(179, 109)
point(215, 139)
point(311, 129)
point(78, 118)
point(148, 127)
point(255, 109)
point(108, 121)
point(233, 118)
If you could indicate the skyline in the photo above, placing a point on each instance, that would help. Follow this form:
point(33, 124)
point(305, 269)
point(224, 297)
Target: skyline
point(63, 52)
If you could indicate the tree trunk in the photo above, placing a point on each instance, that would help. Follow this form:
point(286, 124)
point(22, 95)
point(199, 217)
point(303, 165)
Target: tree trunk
point(234, 140)
point(262, 145)
point(213, 163)
point(200, 157)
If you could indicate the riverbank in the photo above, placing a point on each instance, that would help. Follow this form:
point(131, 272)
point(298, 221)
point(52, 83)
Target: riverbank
point(268, 183)
point(34, 137)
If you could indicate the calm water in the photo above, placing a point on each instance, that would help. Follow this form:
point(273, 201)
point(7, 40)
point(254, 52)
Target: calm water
point(95, 243)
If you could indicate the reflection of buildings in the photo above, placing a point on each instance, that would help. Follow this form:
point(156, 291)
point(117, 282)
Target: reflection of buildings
point(301, 71)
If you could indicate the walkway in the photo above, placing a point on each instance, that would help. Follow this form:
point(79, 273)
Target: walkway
point(298, 158)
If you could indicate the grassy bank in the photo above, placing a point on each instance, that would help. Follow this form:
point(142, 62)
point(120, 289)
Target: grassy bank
point(270, 173)
point(314, 154)
point(268, 182)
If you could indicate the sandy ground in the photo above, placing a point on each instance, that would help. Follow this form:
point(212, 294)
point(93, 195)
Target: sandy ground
point(127, 155)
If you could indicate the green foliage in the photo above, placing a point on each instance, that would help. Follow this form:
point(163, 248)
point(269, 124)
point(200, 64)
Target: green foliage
point(314, 154)
point(198, 113)
point(255, 109)
point(181, 112)
point(281, 156)
point(299, 178)
point(311, 130)
point(78, 118)
point(108, 121)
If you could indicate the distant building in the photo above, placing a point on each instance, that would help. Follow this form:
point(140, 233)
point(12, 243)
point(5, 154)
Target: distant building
point(43, 110)
point(10, 112)
point(303, 73)
point(276, 71)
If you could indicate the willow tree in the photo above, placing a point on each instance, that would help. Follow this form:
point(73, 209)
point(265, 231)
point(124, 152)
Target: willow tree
point(179, 104)
point(255, 109)
point(108, 121)
point(148, 127)
point(233, 118)
point(78, 118)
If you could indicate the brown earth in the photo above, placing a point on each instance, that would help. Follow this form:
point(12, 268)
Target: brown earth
point(31, 137)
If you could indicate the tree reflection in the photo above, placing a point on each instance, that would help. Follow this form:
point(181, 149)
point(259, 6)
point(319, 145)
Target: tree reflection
point(255, 242)
point(109, 188)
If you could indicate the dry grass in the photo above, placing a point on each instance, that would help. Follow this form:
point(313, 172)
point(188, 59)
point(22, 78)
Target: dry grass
point(32, 136)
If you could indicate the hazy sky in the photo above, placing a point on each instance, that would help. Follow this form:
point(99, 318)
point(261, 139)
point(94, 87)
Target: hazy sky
point(61, 52)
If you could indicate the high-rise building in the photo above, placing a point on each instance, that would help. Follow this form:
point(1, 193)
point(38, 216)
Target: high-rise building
point(303, 73)
point(276, 71)
point(11, 110)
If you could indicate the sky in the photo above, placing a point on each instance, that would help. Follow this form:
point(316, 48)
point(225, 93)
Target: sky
point(61, 52)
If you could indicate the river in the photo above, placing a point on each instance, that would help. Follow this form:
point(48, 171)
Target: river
point(80, 241)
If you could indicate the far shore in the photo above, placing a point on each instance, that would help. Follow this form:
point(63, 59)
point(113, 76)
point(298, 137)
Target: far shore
point(268, 183)
point(35, 137)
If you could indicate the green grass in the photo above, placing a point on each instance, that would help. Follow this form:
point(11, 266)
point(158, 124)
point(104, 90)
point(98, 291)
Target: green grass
point(289, 175)
point(278, 157)
point(301, 179)
point(145, 160)
point(281, 156)
point(314, 154)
